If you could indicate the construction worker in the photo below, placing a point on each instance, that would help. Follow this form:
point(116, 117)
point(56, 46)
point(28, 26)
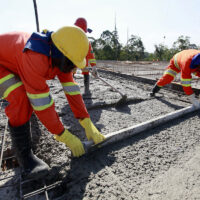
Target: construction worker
point(26, 62)
point(90, 58)
point(186, 62)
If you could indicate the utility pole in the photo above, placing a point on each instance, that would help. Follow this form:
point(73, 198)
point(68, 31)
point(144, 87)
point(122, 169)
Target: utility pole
point(116, 38)
point(127, 36)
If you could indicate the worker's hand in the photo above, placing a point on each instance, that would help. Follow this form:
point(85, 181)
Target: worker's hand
point(94, 71)
point(72, 142)
point(91, 131)
point(194, 100)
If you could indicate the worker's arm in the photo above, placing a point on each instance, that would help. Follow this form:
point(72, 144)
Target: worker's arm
point(73, 95)
point(91, 60)
point(77, 105)
point(33, 71)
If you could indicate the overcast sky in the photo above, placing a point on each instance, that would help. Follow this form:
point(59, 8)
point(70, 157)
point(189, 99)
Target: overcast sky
point(155, 21)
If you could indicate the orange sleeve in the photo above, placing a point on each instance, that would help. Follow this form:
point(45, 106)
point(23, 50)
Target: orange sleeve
point(73, 95)
point(90, 58)
point(33, 71)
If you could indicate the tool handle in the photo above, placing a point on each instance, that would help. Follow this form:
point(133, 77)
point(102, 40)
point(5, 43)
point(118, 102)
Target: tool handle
point(98, 77)
point(111, 86)
point(87, 145)
point(36, 15)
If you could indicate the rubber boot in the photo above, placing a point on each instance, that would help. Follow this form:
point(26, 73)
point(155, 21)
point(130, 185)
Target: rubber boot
point(31, 165)
point(154, 90)
point(86, 84)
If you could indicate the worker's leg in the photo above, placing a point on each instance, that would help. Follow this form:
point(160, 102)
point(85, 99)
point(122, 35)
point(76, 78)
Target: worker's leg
point(19, 112)
point(86, 75)
point(32, 166)
point(19, 109)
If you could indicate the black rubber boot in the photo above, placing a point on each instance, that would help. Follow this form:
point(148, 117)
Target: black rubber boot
point(31, 165)
point(154, 90)
point(86, 84)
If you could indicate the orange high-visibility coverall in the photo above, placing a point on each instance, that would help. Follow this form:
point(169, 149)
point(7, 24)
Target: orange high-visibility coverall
point(23, 84)
point(90, 59)
point(180, 63)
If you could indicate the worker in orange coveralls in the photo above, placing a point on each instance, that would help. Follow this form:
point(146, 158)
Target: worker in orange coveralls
point(90, 58)
point(26, 62)
point(186, 62)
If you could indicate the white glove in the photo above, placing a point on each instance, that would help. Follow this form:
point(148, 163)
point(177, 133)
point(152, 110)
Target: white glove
point(194, 100)
point(94, 71)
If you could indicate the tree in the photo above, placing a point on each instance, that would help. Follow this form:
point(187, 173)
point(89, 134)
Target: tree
point(107, 46)
point(182, 43)
point(160, 51)
point(134, 48)
point(193, 46)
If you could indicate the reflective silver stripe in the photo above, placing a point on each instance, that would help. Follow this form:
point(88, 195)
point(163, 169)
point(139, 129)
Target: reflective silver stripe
point(72, 88)
point(186, 82)
point(8, 83)
point(41, 102)
point(171, 72)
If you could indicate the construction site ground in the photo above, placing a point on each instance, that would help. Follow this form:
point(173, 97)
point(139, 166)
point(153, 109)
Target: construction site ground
point(161, 163)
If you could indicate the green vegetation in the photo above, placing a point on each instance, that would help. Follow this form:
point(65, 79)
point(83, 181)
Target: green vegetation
point(107, 47)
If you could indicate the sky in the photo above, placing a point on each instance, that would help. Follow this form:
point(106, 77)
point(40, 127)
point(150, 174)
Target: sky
point(154, 21)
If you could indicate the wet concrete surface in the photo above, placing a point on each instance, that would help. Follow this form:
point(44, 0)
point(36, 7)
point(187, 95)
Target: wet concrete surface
point(145, 166)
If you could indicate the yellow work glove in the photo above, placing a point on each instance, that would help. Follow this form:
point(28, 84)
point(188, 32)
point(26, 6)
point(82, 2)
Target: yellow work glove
point(91, 131)
point(72, 142)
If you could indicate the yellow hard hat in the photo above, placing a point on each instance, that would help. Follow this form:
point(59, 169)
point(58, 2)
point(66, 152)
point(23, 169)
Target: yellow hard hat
point(73, 43)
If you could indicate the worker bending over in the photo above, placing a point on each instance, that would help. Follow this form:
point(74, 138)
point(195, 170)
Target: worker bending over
point(90, 58)
point(186, 62)
point(26, 62)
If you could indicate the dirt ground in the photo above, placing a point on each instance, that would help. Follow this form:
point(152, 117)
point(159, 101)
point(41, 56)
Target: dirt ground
point(162, 163)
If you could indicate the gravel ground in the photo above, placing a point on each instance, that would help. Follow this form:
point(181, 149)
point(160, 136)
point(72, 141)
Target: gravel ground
point(162, 163)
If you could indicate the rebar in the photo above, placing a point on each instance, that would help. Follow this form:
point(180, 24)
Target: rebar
point(2, 144)
point(44, 189)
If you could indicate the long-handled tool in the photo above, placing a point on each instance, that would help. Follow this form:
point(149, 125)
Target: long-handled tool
point(124, 97)
point(36, 15)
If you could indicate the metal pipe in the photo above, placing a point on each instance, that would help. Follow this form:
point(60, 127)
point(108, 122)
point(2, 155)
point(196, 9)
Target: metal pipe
point(136, 129)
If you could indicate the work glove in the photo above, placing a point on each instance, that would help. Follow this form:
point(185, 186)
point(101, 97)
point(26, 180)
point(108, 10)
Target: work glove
point(72, 142)
point(94, 71)
point(194, 100)
point(91, 131)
